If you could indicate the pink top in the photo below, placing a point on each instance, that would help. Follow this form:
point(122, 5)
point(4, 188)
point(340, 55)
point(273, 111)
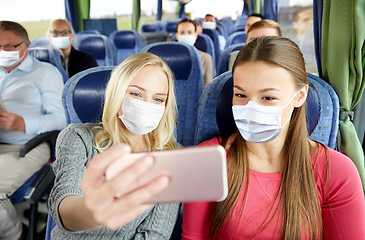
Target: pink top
point(343, 204)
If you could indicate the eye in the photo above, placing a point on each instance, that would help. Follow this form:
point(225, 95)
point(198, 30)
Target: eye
point(268, 98)
point(136, 94)
point(159, 100)
point(240, 95)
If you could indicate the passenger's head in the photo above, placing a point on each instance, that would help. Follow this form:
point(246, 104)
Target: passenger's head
point(270, 71)
point(61, 33)
point(186, 31)
point(199, 29)
point(302, 20)
point(145, 81)
point(209, 22)
point(262, 28)
point(252, 18)
point(14, 44)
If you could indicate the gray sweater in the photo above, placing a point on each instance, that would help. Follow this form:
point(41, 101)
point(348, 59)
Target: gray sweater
point(74, 149)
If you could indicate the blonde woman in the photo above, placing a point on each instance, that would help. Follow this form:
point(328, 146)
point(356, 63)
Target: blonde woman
point(139, 115)
point(62, 34)
point(282, 185)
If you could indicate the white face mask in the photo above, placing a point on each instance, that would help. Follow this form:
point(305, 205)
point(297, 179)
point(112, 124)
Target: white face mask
point(189, 39)
point(140, 117)
point(209, 25)
point(257, 123)
point(10, 59)
point(60, 42)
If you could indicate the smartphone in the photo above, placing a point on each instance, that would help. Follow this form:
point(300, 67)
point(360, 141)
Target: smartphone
point(195, 173)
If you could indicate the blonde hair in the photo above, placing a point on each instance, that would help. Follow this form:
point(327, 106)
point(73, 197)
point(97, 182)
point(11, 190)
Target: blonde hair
point(113, 131)
point(299, 197)
point(48, 32)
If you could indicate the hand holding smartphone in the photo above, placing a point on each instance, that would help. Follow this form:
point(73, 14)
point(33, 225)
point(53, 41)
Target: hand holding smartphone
point(195, 173)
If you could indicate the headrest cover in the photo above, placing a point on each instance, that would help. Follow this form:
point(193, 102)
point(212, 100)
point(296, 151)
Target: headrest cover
point(177, 57)
point(88, 96)
point(92, 44)
point(125, 39)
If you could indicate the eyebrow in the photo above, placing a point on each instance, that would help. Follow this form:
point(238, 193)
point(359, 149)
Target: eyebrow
point(262, 90)
point(142, 89)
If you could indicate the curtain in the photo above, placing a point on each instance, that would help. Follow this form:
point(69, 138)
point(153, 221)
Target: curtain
point(136, 14)
point(343, 60)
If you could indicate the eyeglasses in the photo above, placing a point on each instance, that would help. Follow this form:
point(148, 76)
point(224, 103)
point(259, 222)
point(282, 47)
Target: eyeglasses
point(63, 33)
point(9, 47)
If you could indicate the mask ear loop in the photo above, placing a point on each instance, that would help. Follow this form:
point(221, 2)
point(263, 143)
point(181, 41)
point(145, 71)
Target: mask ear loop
point(291, 111)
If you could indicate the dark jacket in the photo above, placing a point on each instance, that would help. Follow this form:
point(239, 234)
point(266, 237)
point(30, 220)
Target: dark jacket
point(79, 61)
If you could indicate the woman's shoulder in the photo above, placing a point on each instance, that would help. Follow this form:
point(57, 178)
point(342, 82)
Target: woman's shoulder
point(82, 130)
point(336, 171)
point(210, 142)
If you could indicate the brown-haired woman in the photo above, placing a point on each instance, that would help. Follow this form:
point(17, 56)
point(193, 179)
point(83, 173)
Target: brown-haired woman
point(282, 185)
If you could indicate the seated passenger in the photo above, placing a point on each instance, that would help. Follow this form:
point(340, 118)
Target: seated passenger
point(282, 185)
point(61, 33)
point(186, 33)
point(31, 91)
point(261, 28)
point(139, 116)
point(199, 28)
point(209, 22)
point(251, 19)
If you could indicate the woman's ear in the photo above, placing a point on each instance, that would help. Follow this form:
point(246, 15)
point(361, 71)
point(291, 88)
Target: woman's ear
point(301, 96)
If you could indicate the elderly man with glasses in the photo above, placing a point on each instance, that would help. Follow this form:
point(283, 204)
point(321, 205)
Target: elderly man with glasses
point(31, 92)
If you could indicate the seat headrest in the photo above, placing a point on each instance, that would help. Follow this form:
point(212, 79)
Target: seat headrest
point(149, 27)
point(239, 38)
point(171, 27)
point(124, 39)
point(41, 53)
point(201, 44)
point(177, 57)
point(93, 44)
point(88, 96)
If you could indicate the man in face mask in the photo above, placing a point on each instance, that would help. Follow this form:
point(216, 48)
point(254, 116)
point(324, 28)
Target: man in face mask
point(209, 22)
point(32, 93)
point(186, 33)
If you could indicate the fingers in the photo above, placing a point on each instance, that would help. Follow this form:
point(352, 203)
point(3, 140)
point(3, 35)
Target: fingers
point(131, 205)
point(118, 184)
point(94, 174)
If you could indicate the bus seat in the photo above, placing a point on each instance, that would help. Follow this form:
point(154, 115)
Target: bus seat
point(213, 34)
point(149, 27)
point(97, 45)
point(82, 99)
point(39, 185)
point(85, 32)
point(240, 23)
point(184, 61)
point(126, 44)
point(83, 95)
point(223, 63)
point(205, 44)
point(40, 42)
point(222, 29)
point(236, 37)
point(50, 55)
point(215, 110)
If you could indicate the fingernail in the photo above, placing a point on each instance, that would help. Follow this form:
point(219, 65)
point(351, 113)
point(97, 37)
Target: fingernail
point(147, 161)
point(163, 182)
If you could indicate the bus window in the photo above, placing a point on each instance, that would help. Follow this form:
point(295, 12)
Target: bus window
point(296, 21)
point(220, 9)
point(121, 10)
point(34, 15)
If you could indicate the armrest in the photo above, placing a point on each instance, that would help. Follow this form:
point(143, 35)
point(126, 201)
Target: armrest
point(49, 137)
point(41, 185)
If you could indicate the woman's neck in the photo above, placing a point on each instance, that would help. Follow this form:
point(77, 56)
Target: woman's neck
point(66, 52)
point(267, 157)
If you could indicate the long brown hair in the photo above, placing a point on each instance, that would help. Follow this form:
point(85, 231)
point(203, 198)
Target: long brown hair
point(299, 198)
